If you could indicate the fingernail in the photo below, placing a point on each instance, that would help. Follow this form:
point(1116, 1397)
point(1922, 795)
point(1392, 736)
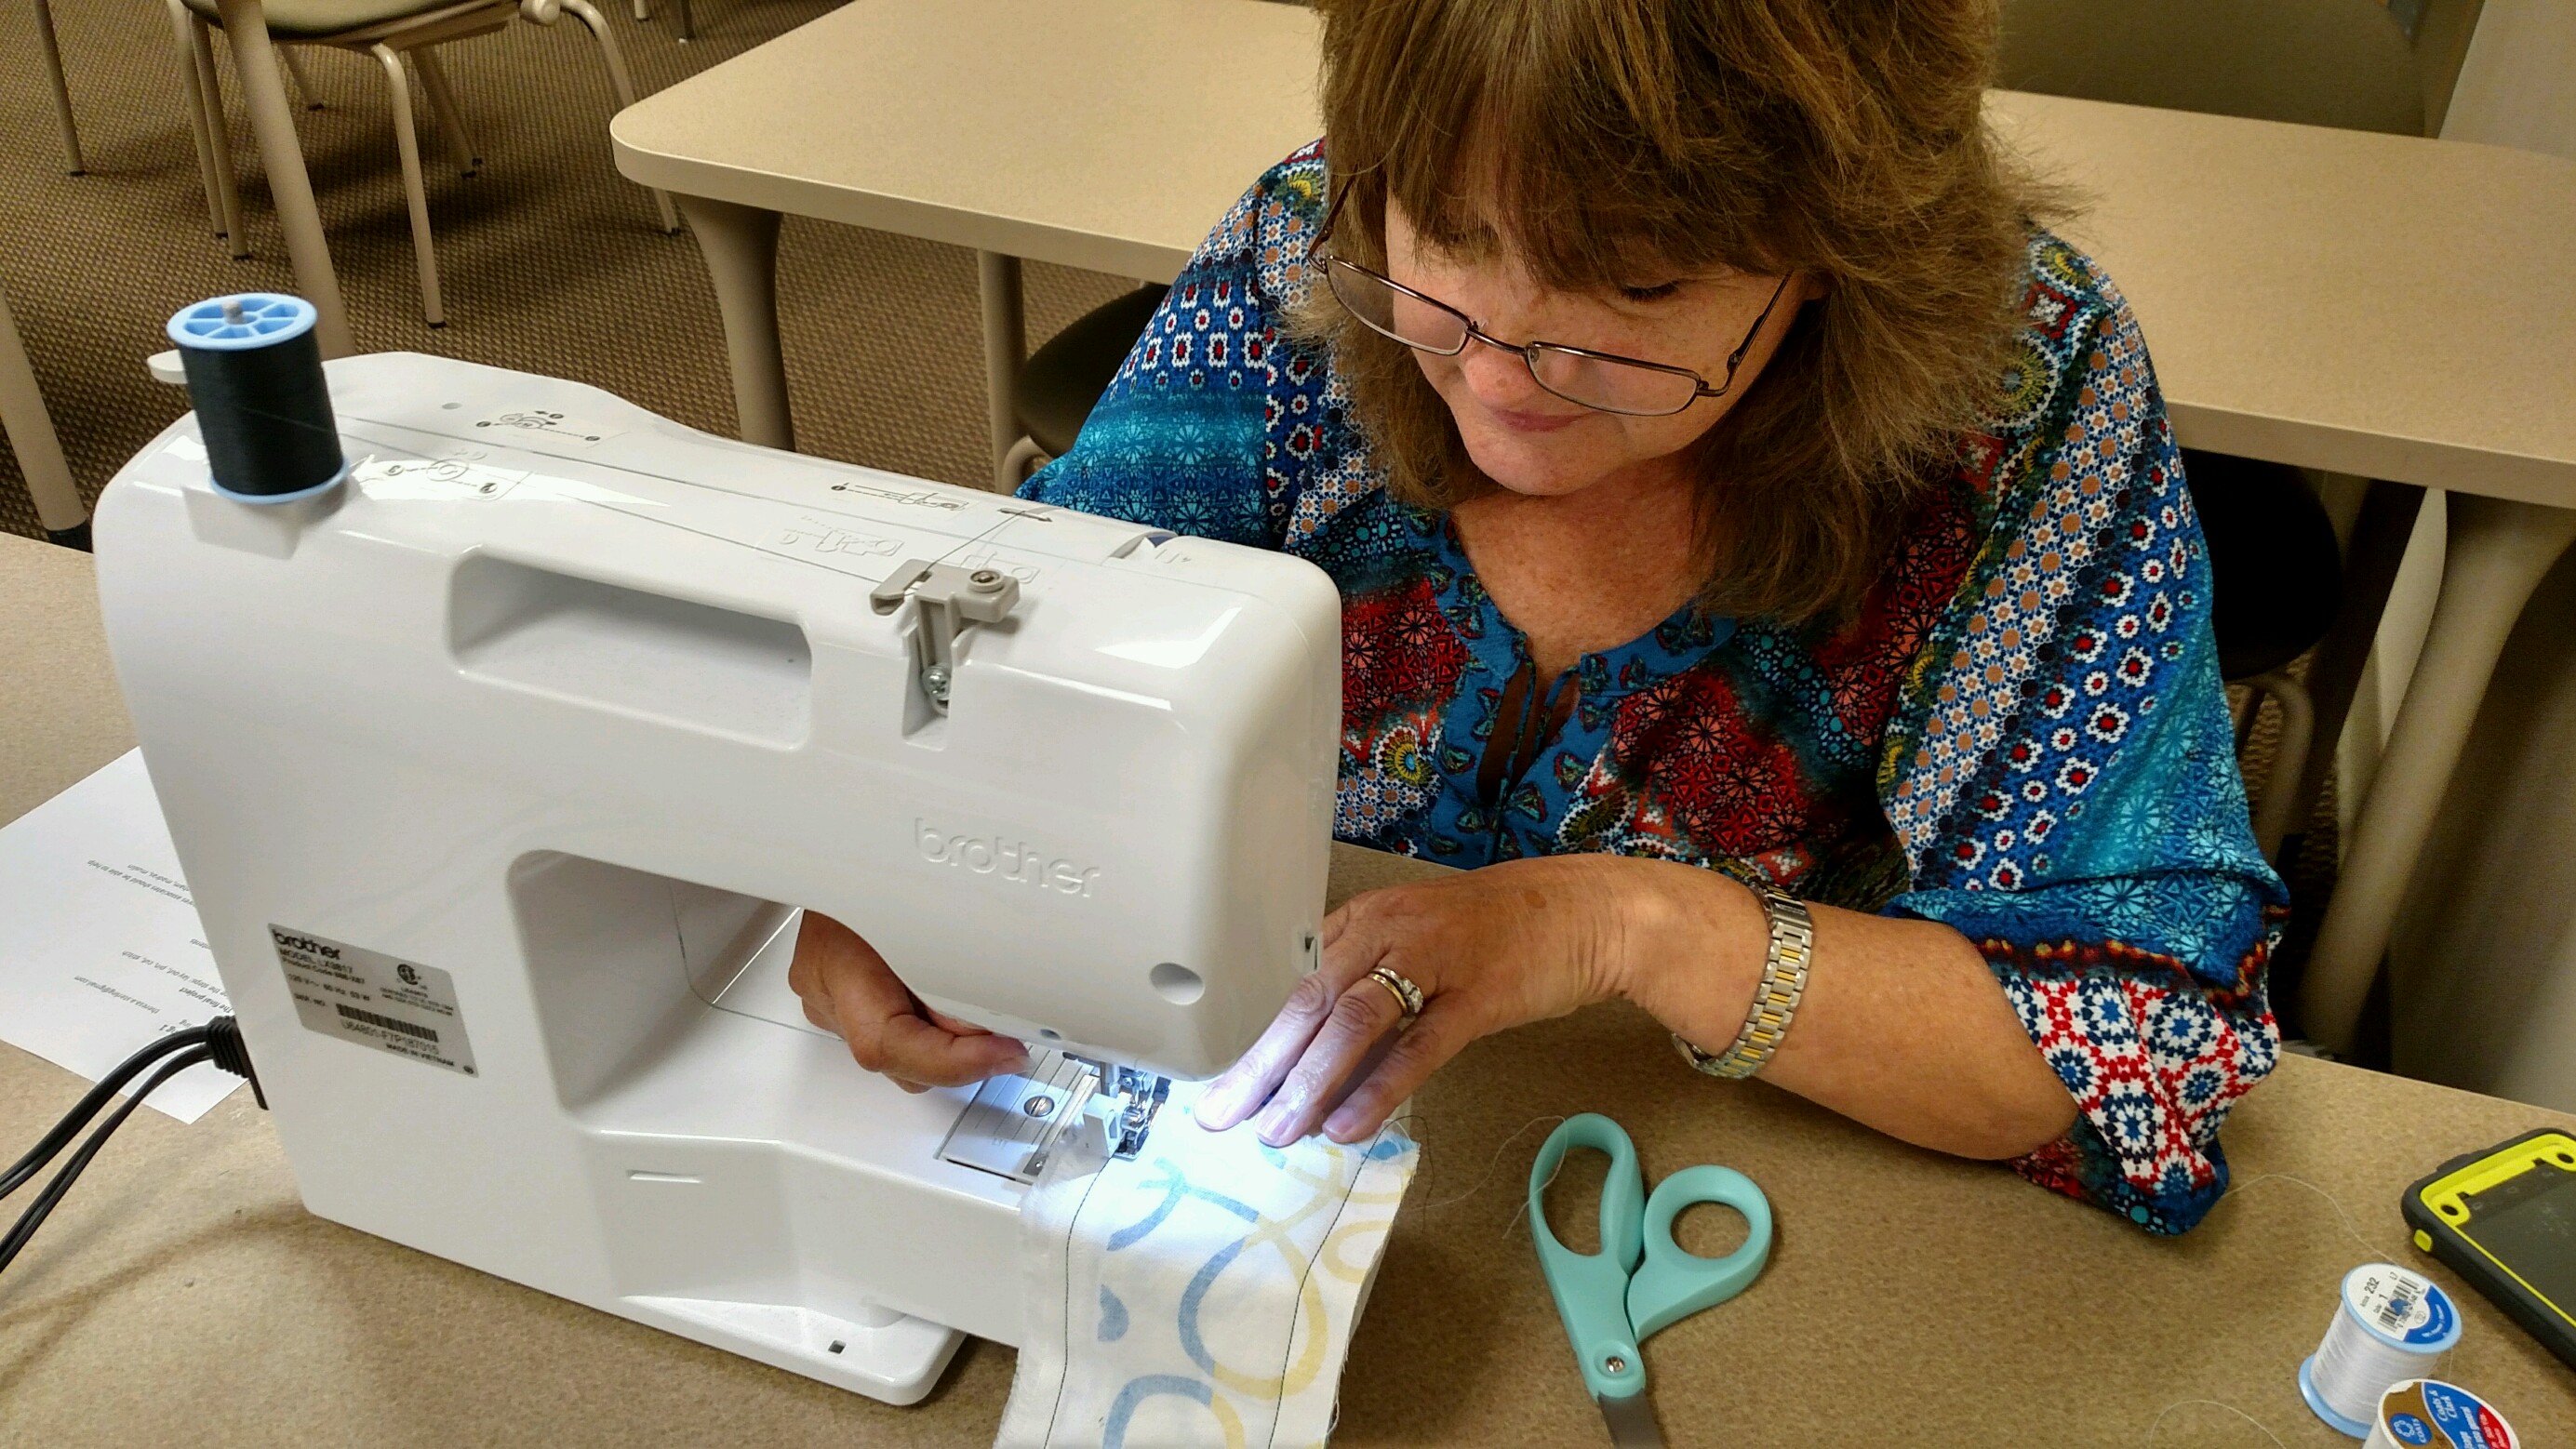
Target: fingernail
point(1274, 1124)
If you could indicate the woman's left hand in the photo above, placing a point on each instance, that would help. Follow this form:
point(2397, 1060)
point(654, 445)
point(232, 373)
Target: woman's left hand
point(1490, 949)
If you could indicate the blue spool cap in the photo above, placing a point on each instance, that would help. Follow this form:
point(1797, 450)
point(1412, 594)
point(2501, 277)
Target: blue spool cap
point(268, 318)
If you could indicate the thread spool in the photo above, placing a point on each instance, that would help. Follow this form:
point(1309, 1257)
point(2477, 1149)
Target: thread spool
point(2430, 1414)
point(255, 374)
point(2389, 1325)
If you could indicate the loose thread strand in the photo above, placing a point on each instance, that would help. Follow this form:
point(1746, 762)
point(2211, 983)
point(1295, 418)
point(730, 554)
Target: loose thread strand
point(1490, 1164)
point(2375, 1250)
point(2215, 1404)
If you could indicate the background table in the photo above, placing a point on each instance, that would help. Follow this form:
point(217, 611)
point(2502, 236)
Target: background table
point(2384, 306)
point(1103, 134)
point(182, 1285)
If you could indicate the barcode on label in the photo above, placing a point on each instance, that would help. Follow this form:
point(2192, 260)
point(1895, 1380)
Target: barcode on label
point(2392, 1314)
point(423, 1033)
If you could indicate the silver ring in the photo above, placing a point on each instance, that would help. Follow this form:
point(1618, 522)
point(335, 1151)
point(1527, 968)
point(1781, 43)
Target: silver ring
point(1408, 997)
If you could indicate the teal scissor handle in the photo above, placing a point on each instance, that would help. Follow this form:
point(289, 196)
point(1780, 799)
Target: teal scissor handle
point(1641, 1280)
point(1591, 1289)
point(1674, 1282)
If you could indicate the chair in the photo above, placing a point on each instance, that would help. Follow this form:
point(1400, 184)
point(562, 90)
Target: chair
point(399, 34)
point(1062, 380)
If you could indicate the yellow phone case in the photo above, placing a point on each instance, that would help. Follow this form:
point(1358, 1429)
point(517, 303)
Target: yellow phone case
point(2443, 1208)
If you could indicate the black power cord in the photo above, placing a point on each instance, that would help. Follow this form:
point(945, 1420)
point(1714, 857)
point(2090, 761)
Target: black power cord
point(218, 1041)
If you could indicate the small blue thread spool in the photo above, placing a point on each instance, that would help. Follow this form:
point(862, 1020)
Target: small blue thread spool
point(255, 374)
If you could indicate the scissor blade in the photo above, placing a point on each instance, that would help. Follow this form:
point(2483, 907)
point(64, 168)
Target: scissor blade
point(1632, 1422)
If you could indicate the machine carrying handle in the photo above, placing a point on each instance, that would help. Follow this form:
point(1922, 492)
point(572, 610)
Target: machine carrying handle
point(1591, 1289)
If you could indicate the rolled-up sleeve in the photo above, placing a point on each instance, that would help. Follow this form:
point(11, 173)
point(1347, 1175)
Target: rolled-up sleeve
point(2063, 777)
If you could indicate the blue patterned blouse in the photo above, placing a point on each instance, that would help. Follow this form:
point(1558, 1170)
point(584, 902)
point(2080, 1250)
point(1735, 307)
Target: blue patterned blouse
point(2020, 733)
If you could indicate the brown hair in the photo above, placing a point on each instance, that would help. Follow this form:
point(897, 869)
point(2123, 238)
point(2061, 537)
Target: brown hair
point(1628, 139)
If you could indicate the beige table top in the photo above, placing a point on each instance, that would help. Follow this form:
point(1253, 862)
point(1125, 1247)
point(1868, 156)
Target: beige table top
point(1107, 134)
point(2380, 305)
point(181, 1288)
point(2369, 304)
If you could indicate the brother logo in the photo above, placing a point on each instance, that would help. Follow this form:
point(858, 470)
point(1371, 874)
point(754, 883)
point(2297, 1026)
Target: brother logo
point(305, 944)
point(1009, 860)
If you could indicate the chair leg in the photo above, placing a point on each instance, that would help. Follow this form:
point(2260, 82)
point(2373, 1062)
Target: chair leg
point(52, 53)
point(219, 136)
point(303, 82)
point(442, 104)
point(643, 12)
point(1023, 461)
point(623, 84)
point(193, 96)
point(407, 140)
point(31, 432)
point(2272, 814)
point(688, 24)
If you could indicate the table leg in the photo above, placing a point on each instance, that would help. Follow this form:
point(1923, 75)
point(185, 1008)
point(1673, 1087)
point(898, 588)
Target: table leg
point(2498, 553)
point(31, 433)
point(1006, 344)
point(740, 244)
point(53, 57)
point(272, 125)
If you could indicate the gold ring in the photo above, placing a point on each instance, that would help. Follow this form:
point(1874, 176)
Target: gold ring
point(1408, 997)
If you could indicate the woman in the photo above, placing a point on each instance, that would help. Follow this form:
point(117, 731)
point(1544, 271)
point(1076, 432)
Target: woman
point(1765, 558)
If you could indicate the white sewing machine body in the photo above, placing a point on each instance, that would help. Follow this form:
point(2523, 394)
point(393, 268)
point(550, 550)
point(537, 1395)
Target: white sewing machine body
point(498, 771)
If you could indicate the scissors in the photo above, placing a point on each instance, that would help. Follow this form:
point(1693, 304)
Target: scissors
point(1609, 1299)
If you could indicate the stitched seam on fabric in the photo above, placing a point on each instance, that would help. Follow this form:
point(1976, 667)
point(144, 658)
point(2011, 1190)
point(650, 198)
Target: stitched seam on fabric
point(1064, 1360)
point(1279, 1409)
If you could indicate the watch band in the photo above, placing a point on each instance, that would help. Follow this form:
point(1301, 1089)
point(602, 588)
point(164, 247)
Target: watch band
point(1775, 1001)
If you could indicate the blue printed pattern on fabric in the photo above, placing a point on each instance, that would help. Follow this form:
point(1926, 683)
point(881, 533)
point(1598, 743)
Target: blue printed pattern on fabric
point(1227, 1275)
point(2019, 732)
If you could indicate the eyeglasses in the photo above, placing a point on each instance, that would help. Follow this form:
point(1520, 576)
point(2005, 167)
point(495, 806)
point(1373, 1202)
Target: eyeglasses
point(1603, 381)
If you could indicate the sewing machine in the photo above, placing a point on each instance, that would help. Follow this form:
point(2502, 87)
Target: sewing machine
point(500, 770)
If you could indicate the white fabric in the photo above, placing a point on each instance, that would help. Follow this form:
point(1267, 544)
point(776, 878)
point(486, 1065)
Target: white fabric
point(1202, 1293)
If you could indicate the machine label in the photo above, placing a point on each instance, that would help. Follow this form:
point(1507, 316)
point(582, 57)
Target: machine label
point(374, 999)
point(579, 431)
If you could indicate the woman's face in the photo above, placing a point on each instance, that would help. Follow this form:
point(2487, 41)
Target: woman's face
point(1533, 442)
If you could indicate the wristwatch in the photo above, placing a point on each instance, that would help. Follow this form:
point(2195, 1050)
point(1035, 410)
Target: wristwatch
point(1775, 1001)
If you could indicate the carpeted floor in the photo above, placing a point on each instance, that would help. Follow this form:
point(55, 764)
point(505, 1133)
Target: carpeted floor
point(551, 261)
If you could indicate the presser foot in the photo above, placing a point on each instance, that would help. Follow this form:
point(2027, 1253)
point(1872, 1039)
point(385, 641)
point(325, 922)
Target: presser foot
point(1014, 1124)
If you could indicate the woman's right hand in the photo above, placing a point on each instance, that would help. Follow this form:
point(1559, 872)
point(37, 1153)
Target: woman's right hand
point(849, 989)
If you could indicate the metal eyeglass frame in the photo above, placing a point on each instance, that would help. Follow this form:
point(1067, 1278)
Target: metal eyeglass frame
point(1529, 352)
